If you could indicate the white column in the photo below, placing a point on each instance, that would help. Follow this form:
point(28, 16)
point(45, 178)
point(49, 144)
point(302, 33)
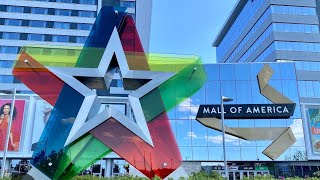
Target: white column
point(108, 171)
point(99, 6)
point(7, 166)
point(29, 120)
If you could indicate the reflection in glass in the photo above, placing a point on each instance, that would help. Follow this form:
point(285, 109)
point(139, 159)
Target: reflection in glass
point(184, 132)
point(213, 93)
point(186, 153)
point(232, 153)
point(249, 154)
point(199, 134)
point(215, 153)
point(200, 153)
point(227, 72)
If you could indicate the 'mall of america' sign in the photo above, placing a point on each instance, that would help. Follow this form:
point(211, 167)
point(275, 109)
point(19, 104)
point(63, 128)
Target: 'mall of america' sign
point(247, 111)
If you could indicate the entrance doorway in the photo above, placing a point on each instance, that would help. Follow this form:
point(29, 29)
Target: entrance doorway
point(240, 174)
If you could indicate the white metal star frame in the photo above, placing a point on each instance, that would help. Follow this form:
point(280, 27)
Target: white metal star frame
point(87, 117)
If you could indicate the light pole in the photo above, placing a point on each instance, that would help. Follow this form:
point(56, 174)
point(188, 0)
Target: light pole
point(224, 99)
point(8, 131)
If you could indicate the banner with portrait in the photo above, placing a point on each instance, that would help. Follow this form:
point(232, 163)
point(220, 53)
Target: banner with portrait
point(16, 127)
point(314, 125)
point(41, 116)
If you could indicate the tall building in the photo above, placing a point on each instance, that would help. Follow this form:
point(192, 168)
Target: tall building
point(279, 31)
point(55, 23)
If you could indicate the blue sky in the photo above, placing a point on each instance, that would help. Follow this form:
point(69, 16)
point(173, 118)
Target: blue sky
point(188, 26)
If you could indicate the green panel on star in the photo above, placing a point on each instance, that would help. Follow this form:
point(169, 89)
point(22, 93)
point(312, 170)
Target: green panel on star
point(80, 155)
point(184, 84)
point(151, 109)
point(189, 78)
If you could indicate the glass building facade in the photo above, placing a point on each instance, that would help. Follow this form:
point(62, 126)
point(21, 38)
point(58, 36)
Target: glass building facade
point(239, 82)
point(200, 146)
point(277, 31)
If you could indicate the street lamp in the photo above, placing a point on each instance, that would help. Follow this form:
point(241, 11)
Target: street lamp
point(13, 92)
point(224, 99)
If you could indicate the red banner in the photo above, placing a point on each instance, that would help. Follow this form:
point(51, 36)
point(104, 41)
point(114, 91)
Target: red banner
point(15, 134)
point(315, 130)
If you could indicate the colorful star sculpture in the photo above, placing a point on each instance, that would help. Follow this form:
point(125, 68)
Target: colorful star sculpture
point(76, 134)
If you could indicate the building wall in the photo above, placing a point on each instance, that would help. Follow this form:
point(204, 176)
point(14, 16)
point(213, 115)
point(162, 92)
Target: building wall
point(50, 23)
point(282, 31)
point(197, 142)
point(274, 21)
point(238, 81)
point(143, 21)
point(59, 23)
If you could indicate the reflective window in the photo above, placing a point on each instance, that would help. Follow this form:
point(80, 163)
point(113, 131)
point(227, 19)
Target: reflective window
point(81, 40)
point(183, 112)
point(227, 72)
point(199, 97)
point(242, 72)
point(184, 132)
point(290, 90)
point(305, 28)
point(233, 153)
point(213, 93)
point(6, 79)
point(293, 10)
point(6, 64)
point(9, 49)
point(198, 134)
point(84, 27)
point(309, 89)
point(92, 2)
point(17, 9)
point(37, 23)
point(7, 35)
point(302, 88)
point(63, 12)
point(255, 45)
point(64, 1)
point(86, 14)
point(56, 38)
point(316, 89)
point(61, 25)
point(12, 22)
point(249, 35)
point(215, 153)
point(127, 3)
point(249, 153)
point(228, 89)
point(186, 153)
point(237, 28)
point(247, 13)
point(212, 71)
point(297, 46)
point(39, 10)
point(36, 37)
point(243, 92)
point(200, 153)
point(266, 53)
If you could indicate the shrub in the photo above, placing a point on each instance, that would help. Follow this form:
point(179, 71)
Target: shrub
point(317, 174)
point(201, 175)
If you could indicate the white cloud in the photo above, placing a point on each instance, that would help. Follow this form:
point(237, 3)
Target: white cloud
point(192, 134)
point(228, 138)
point(297, 129)
point(189, 107)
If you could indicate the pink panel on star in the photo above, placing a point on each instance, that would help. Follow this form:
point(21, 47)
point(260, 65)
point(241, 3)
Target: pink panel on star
point(161, 160)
